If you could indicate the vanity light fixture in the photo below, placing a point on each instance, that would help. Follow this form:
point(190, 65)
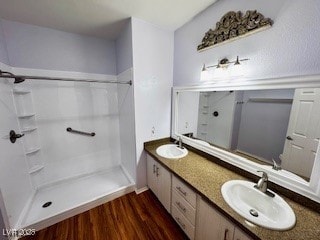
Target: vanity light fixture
point(224, 63)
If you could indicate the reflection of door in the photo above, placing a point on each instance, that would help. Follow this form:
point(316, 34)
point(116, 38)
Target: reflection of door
point(303, 132)
point(15, 183)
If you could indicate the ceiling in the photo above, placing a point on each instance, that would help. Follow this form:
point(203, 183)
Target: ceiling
point(101, 18)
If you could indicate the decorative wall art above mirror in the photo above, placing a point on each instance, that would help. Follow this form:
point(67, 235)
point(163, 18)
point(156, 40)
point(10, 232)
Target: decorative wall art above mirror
point(265, 126)
point(234, 25)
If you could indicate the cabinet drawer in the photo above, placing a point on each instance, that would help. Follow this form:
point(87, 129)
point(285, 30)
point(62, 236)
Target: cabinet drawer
point(186, 226)
point(184, 207)
point(184, 191)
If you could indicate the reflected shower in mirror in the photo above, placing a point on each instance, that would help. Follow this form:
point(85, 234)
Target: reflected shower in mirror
point(275, 128)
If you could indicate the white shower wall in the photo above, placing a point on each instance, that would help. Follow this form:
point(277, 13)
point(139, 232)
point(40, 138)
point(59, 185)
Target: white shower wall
point(15, 185)
point(126, 121)
point(48, 154)
point(89, 107)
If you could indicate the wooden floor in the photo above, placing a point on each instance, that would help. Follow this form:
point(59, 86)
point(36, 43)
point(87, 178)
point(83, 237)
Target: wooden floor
point(128, 217)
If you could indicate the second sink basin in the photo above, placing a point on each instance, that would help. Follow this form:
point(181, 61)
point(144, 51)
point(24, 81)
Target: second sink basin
point(269, 212)
point(171, 151)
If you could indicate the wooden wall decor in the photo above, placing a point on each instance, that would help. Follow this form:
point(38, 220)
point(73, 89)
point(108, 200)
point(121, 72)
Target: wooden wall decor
point(234, 25)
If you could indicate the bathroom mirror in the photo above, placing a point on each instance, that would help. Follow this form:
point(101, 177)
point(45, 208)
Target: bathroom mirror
point(259, 126)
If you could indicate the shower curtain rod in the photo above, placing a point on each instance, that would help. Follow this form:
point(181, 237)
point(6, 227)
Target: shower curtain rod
point(22, 78)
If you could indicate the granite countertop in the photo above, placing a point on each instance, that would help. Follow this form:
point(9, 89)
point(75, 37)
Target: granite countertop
point(207, 177)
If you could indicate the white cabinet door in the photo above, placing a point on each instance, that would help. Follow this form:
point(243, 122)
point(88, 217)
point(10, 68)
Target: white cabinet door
point(239, 235)
point(226, 228)
point(159, 181)
point(164, 186)
point(211, 224)
point(151, 174)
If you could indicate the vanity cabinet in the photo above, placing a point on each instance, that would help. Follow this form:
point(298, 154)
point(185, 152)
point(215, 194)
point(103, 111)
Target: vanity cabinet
point(196, 217)
point(183, 208)
point(212, 225)
point(239, 235)
point(159, 181)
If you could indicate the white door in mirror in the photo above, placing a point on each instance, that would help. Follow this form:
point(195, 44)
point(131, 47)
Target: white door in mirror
point(171, 151)
point(257, 207)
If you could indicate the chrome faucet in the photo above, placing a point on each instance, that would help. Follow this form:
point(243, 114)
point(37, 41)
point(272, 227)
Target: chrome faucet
point(262, 184)
point(179, 141)
point(276, 166)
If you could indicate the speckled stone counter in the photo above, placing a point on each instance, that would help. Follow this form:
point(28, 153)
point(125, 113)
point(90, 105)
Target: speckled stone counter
point(207, 178)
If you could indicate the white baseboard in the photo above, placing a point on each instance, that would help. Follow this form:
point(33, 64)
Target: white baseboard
point(141, 190)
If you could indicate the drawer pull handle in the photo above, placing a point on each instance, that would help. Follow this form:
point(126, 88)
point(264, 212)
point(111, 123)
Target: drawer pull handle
point(181, 206)
point(154, 168)
point(180, 223)
point(157, 171)
point(225, 234)
point(180, 190)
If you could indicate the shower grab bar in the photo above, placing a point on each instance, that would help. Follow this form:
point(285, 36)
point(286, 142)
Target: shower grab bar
point(69, 129)
point(22, 78)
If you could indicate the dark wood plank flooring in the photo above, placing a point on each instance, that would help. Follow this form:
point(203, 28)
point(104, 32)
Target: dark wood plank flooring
point(128, 217)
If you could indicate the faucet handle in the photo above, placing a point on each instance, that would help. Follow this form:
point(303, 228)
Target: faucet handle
point(264, 175)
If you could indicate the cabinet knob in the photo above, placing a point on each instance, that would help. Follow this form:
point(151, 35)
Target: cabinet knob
point(181, 206)
point(180, 223)
point(180, 190)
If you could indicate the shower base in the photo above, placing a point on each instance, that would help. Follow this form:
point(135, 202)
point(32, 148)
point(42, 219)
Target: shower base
point(71, 197)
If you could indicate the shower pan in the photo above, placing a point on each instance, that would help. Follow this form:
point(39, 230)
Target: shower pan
point(60, 151)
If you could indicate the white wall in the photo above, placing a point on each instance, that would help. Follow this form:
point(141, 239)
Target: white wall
point(124, 49)
point(153, 69)
point(290, 47)
point(31, 46)
point(188, 107)
point(3, 47)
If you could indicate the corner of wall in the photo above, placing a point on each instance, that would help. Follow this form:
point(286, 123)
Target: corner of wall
point(123, 46)
point(4, 56)
point(153, 75)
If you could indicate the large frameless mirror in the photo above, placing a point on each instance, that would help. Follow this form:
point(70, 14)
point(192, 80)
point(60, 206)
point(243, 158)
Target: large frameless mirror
point(273, 129)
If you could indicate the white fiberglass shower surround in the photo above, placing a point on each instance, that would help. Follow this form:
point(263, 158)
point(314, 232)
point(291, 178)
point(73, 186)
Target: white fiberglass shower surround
point(50, 173)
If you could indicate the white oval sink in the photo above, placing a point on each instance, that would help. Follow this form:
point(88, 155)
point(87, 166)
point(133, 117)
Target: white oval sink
point(171, 151)
point(272, 212)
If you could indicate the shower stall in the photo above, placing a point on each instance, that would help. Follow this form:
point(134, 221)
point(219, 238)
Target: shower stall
point(62, 146)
